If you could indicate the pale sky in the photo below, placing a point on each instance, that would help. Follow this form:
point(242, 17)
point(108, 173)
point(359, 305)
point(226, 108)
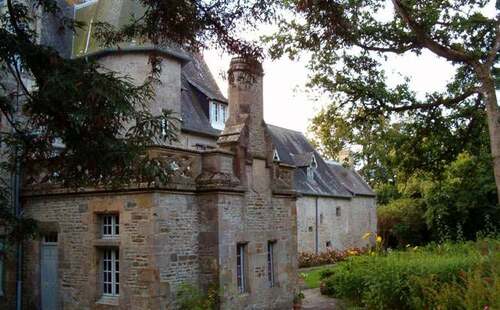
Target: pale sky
point(286, 102)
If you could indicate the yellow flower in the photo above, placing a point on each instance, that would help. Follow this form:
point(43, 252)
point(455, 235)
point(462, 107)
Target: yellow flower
point(367, 235)
point(408, 245)
point(416, 247)
point(379, 239)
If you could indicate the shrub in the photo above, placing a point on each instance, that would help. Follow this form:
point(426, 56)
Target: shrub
point(309, 259)
point(425, 278)
point(191, 298)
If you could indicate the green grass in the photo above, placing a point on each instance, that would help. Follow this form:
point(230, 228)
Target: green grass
point(312, 276)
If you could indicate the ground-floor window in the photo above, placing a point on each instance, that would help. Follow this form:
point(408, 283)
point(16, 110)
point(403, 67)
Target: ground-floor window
point(270, 263)
point(241, 267)
point(2, 258)
point(110, 272)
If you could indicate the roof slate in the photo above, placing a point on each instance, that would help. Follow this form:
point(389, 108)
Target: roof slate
point(292, 144)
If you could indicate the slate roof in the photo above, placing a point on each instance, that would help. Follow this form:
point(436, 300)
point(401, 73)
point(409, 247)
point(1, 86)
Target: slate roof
point(292, 144)
point(198, 88)
point(350, 179)
point(330, 179)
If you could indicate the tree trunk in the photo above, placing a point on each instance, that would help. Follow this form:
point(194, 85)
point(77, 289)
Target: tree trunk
point(493, 115)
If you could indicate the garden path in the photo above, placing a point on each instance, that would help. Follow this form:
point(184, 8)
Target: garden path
point(314, 300)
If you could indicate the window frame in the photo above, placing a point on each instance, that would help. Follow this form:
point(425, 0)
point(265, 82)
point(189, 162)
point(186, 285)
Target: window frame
point(2, 265)
point(114, 226)
point(338, 211)
point(241, 268)
point(271, 264)
point(113, 272)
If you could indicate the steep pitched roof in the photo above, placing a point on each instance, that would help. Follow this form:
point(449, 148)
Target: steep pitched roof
point(294, 149)
point(351, 179)
point(194, 109)
point(198, 74)
point(198, 89)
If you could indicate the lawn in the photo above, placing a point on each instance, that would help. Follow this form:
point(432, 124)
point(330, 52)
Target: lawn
point(311, 276)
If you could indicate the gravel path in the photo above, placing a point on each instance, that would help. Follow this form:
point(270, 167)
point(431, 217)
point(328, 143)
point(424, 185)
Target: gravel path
point(314, 300)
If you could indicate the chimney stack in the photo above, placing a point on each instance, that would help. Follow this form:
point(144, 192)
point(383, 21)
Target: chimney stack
point(246, 105)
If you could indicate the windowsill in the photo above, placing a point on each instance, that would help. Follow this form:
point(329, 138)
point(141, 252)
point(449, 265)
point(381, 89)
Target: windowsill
point(108, 300)
point(107, 243)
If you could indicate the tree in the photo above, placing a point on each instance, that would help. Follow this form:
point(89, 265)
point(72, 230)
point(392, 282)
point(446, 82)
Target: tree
point(348, 44)
point(85, 107)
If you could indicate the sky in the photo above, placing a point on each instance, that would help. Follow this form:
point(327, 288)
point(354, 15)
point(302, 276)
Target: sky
point(287, 102)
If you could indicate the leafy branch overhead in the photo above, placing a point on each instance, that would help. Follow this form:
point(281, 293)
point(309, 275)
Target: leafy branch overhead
point(350, 40)
point(73, 122)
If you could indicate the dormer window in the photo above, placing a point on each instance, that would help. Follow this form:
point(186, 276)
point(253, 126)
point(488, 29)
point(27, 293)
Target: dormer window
point(276, 156)
point(311, 169)
point(218, 114)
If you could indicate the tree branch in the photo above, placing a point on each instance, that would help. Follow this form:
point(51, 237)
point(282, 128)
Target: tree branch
point(428, 42)
point(395, 50)
point(496, 47)
point(446, 102)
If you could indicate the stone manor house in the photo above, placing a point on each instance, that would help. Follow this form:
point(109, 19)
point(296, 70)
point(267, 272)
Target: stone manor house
point(244, 199)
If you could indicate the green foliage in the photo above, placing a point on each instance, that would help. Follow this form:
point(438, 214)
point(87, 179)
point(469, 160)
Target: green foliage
point(101, 118)
point(405, 137)
point(402, 222)
point(191, 298)
point(312, 277)
point(420, 278)
point(465, 199)
point(458, 204)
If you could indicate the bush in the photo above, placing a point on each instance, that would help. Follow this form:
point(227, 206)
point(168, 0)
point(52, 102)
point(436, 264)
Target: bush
point(423, 278)
point(309, 259)
point(191, 298)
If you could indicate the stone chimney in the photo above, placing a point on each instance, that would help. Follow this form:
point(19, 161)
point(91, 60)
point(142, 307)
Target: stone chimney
point(246, 108)
point(345, 157)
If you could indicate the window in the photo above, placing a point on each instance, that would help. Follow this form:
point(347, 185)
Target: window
point(110, 226)
point(218, 114)
point(110, 272)
point(337, 211)
point(2, 257)
point(310, 228)
point(276, 156)
point(241, 267)
point(328, 244)
point(321, 218)
point(270, 263)
point(311, 169)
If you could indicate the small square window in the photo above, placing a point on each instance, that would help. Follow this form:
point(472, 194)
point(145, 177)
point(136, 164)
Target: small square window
point(328, 244)
point(110, 226)
point(337, 211)
point(310, 228)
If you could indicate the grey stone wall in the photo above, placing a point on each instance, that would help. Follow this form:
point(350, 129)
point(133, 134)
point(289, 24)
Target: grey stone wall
point(158, 248)
point(357, 217)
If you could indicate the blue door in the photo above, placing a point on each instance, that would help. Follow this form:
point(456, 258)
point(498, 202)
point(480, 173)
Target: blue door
point(49, 274)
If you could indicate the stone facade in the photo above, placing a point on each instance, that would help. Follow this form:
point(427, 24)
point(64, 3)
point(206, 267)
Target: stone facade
point(227, 192)
point(335, 223)
point(183, 232)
